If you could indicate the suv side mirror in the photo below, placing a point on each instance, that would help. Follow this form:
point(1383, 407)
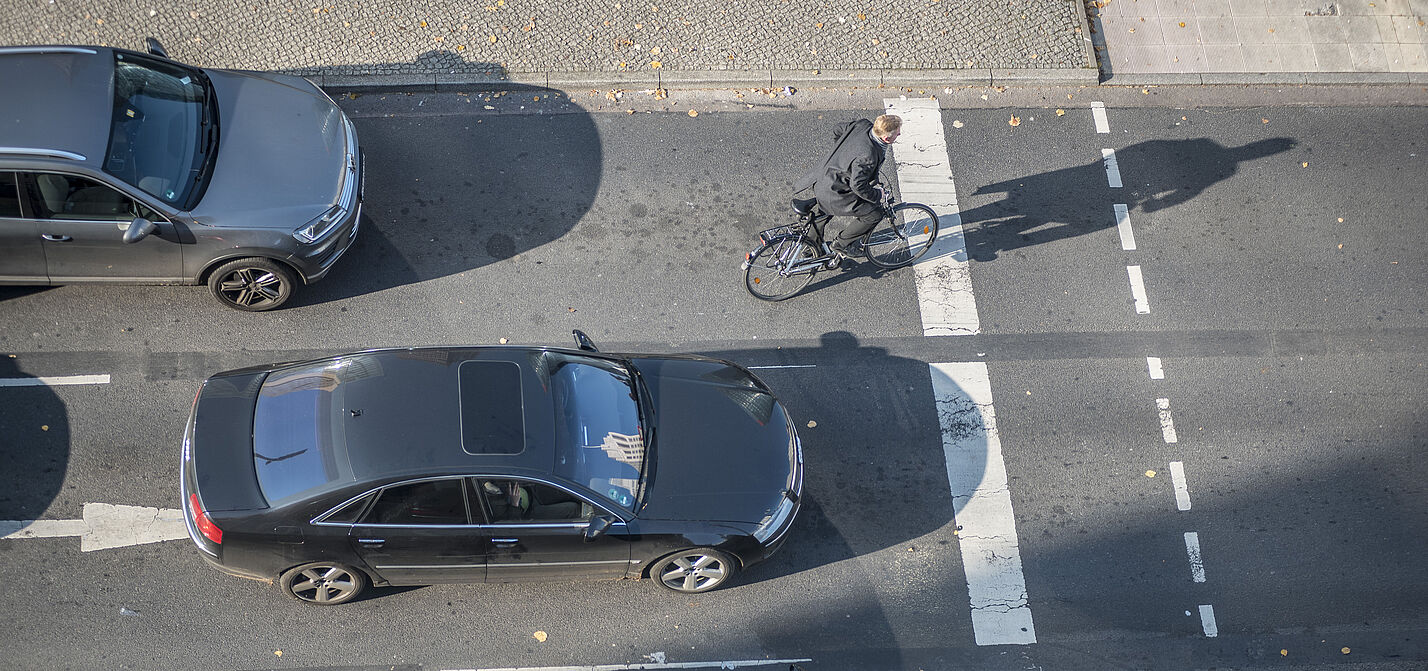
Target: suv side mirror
point(152, 46)
point(598, 527)
point(584, 341)
point(139, 229)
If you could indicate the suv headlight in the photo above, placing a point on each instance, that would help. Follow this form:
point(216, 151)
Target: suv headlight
point(318, 228)
point(772, 523)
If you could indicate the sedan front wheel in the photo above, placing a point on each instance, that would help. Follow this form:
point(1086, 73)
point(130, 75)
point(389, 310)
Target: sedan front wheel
point(694, 571)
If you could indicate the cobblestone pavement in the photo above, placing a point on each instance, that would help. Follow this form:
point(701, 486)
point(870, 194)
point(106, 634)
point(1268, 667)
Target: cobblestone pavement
point(535, 40)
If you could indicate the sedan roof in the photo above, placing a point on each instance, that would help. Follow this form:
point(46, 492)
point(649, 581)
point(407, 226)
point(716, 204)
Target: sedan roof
point(60, 99)
point(387, 413)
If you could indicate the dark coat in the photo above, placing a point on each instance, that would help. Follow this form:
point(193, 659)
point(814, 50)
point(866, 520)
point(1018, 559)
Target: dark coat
point(843, 184)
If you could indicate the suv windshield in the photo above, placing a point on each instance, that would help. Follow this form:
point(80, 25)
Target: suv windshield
point(599, 440)
point(164, 130)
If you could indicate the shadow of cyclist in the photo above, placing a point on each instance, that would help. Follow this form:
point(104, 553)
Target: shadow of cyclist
point(1066, 203)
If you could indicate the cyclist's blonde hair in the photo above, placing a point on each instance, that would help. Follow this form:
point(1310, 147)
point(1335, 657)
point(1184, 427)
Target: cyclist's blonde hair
point(887, 124)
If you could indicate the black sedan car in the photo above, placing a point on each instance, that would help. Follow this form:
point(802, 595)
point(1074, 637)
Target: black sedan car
point(471, 464)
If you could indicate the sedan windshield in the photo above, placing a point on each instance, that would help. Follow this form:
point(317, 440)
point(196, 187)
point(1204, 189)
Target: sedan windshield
point(163, 130)
point(599, 439)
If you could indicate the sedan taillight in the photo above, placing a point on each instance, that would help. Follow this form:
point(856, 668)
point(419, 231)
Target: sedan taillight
point(200, 519)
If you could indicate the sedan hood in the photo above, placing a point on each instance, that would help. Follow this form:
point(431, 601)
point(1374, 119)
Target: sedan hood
point(280, 153)
point(722, 442)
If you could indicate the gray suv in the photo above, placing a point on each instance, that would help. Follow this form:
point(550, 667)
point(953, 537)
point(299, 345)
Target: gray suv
point(120, 166)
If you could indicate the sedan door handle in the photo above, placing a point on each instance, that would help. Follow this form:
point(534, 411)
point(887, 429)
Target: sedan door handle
point(57, 238)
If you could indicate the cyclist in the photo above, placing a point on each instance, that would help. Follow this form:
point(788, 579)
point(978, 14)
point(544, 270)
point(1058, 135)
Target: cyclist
point(845, 184)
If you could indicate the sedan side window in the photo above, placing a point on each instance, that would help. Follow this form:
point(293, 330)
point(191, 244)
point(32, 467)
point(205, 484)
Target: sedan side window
point(420, 503)
point(77, 198)
point(517, 501)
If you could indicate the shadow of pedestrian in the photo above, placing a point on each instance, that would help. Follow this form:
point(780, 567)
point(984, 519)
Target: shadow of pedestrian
point(1052, 205)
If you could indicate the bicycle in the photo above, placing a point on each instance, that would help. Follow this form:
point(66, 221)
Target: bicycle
point(787, 258)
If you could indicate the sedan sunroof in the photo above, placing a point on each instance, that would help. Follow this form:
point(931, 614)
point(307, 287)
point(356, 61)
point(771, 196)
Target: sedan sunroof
point(492, 421)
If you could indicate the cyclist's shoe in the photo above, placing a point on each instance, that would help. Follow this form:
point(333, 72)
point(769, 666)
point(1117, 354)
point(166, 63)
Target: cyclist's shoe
point(842, 249)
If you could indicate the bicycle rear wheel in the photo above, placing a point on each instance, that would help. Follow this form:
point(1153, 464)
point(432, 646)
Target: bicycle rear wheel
point(902, 238)
point(767, 273)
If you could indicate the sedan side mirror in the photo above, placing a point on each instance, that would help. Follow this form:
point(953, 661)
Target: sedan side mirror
point(598, 527)
point(584, 341)
point(139, 229)
point(152, 46)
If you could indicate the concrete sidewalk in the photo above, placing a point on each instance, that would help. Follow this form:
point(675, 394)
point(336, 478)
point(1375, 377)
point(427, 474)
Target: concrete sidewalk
point(1261, 41)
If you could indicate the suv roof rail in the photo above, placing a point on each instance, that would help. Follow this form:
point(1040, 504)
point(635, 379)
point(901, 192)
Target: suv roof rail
point(48, 153)
point(47, 49)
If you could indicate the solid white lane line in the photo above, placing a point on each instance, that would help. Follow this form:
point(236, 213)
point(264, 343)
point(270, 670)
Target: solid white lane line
point(53, 381)
point(41, 528)
point(1098, 112)
point(1123, 226)
point(982, 506)
point(1182, 490)
point(798, 366)
point(1192, 548)
point(924, 175)
point(1207, 621)
point(1156, 372)
point(1113, 170)
point(1167, 425)
point(1137, 283)
point(727, 664)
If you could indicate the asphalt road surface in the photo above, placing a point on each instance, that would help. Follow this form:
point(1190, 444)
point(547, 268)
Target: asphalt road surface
point(1280, 340)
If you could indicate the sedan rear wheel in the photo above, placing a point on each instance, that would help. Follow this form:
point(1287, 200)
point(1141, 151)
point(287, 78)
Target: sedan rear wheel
point(694, 571)
point(253, 284)
point(325, 583)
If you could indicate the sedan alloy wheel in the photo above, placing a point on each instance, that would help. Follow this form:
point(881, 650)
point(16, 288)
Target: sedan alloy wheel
point(323, 583)
point(694, 571)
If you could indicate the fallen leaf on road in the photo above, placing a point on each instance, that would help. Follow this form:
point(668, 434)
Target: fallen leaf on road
point(1150, 474)
point(984, 96)
point(539, 636)
point(1305, 164)
point(1264, 120)
point(1341, 245)
point(1014, 121)
point(693, 113)
point(1060, 112)
point(1344, 650)
point(1283, 653)
point(656, 64)
point(1341, 220)
point(957, 124)
point(278, 653)
point(812, 423)
point(504, 341)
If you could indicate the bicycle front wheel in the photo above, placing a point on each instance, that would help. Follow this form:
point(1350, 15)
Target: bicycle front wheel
point(772, 272)
point(902, 238)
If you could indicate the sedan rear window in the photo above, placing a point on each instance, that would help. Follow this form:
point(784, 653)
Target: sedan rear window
point(294, 446)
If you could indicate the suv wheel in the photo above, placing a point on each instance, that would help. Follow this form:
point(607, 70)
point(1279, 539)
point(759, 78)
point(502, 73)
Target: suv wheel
point(252, 284)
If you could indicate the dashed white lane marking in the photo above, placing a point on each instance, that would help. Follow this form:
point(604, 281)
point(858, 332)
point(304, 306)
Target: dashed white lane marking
point(1137, 283)
point(1098, 112)
point(1182, 489)
point(1113, 170)
point(1123, 226)
point(1192, 548)
point(727, 664)
point(53, 381)
point(1207, 621)
point(982, 505)
point(1153, 364)
point(1167, 425)
point(924, 175)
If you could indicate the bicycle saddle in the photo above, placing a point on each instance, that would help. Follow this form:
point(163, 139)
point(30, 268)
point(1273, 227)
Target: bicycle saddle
point(804, 205)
